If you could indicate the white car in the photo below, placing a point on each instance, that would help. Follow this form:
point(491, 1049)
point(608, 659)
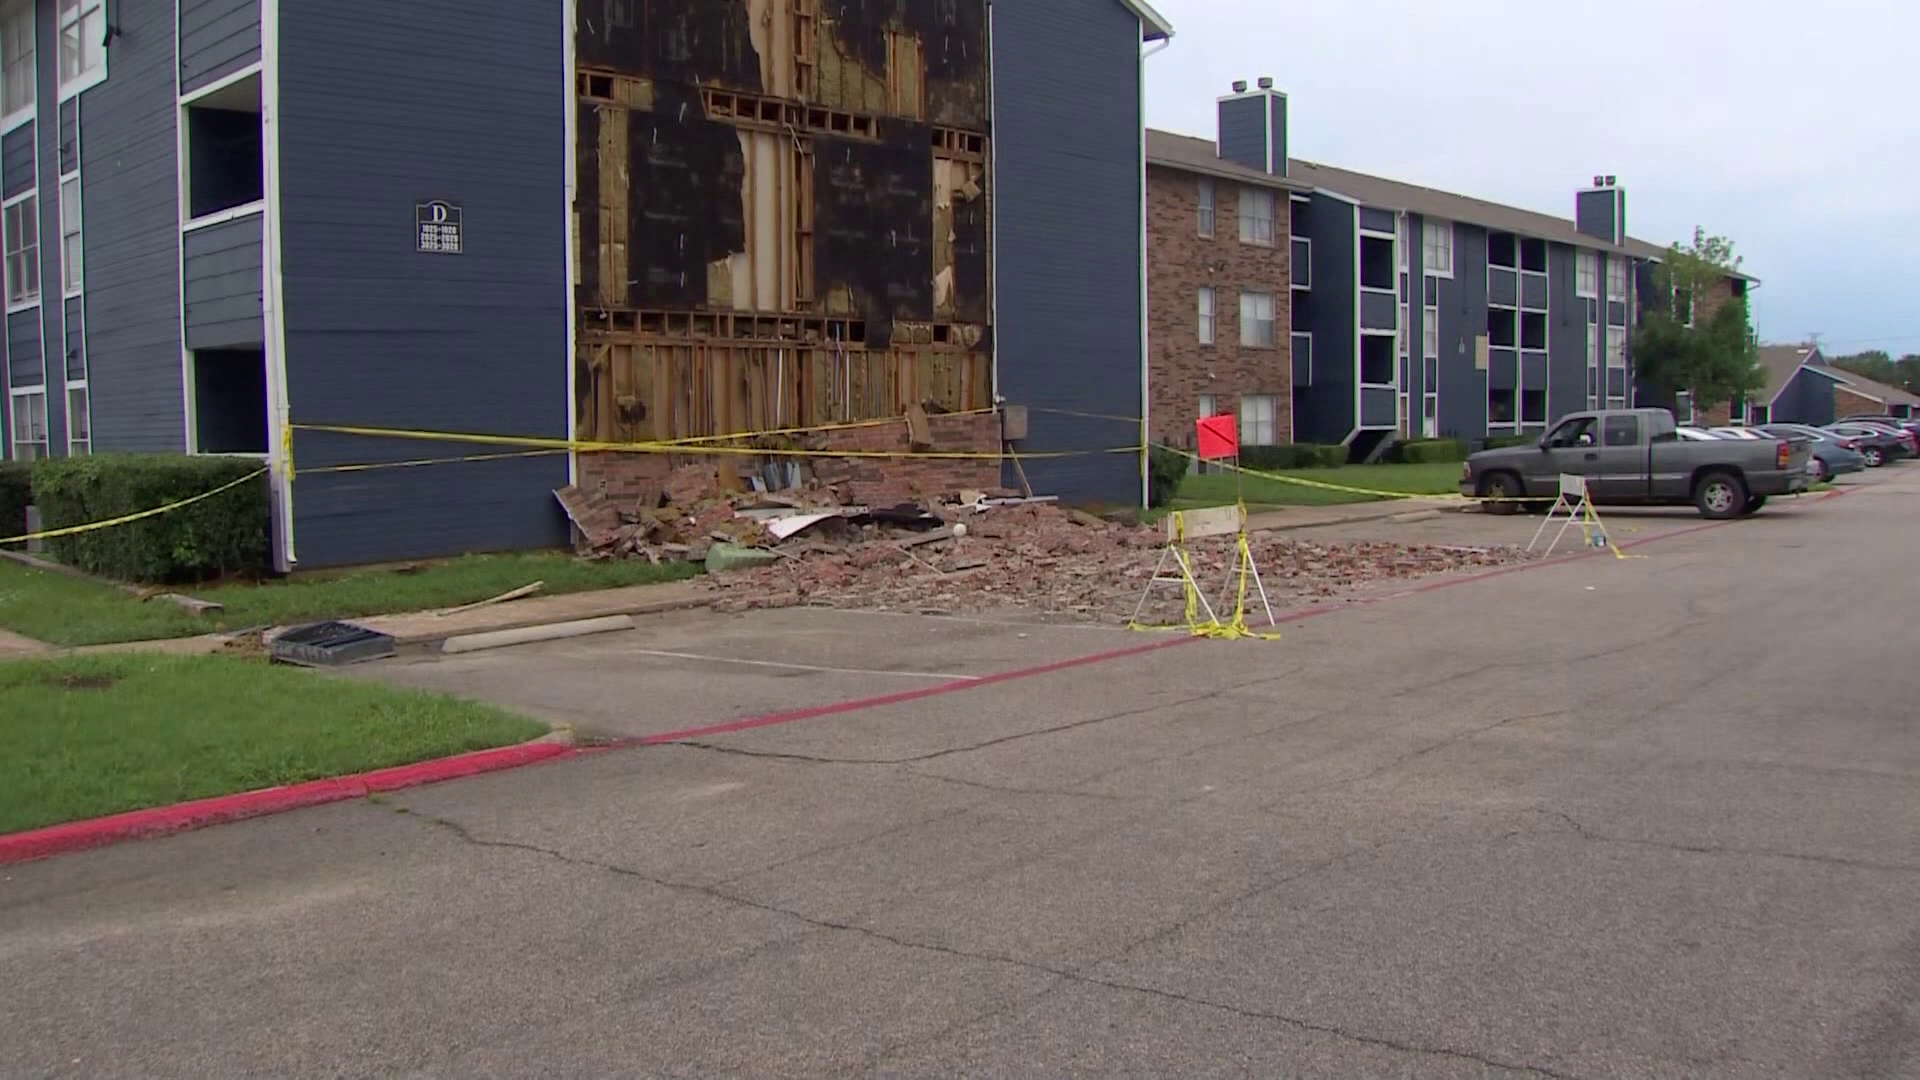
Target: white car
point(1691, 434)
point(1747, 434)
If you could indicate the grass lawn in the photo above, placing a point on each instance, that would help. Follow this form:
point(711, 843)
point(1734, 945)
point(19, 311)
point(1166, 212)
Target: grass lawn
point(65, 610)
point(1441, 478)
point(100, 735)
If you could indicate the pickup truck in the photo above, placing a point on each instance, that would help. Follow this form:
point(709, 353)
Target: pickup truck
point(1634, 457)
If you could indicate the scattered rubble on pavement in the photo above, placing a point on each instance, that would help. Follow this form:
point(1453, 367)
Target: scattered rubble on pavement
point(974, 551)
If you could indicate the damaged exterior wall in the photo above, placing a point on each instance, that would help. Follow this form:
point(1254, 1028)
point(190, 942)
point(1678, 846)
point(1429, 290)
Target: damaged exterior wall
point(782, 214)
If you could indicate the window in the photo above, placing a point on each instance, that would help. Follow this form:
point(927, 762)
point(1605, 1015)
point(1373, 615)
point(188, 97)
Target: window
point(1503, 328)
point(1586, 274)
point(1616, 346)
point(1259, 414)
point(1437, 248)
point(16, 57)
point(22, 230)
point(30, 424)
point(79, 422)
point(1206, 316)
point(1206, 207)
point(1503, 249)
point(1406, 328)
point(1533, 255)
point(1759, 415)
point(1683, 407)
point(1376, 360)
point(1573, 433)
point(1376, 263)
point(1533, 330)
point(83, 40)
point(1209, 406)
point(1256, 320)
point(1623, 431)
point(1617, 279)
point(1405, 243)
point(70, 249)
point(224, 161)
point(1302, 264)
point(1499, 407)
point(230, 401)
point(1533, 406)
point(1593, 346)
point(1302, 361)
point(1256, 216)
point(1430, 334)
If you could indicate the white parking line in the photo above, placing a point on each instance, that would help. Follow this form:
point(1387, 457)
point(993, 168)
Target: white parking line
point(943, 676)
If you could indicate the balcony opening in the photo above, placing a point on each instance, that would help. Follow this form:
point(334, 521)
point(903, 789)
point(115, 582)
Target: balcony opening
point(1503, 250)
point(1376, 360)
point(1533, 255)
point(230, 401)
point(1500, 407)
point(1376, 263)
point(1502, 328)
point(1533, 330)
point(1533, 406)
point(224, 163)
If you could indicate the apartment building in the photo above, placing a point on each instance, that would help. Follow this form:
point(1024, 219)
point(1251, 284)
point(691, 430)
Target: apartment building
point(555, 219)
point(1423, 313)
point(1219, 284)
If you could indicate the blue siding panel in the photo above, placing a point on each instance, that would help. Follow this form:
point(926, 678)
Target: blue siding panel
point(1325, 413)
point(52, 311)
point(1566, 335)
point(1503, 287)
point(379, 333)
point(1243, 131)
point(1503, 369)
point(1463, 321)
point(24, 366)
point(224, 284)
point(217, 38)
point(1534, 290)
point(1068, 203)
point(129, 181)
point(1384, 221)
point(1378, 311)
point(16, 160)
point(1377, 407)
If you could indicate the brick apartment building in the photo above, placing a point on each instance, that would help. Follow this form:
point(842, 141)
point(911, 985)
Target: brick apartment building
point(1219, 286)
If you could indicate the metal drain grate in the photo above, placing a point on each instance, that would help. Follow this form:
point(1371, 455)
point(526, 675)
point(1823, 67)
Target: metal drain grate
point(330, 644)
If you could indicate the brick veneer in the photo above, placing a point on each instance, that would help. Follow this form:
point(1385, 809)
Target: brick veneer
point(866, 481)
point(1179, 262)
point(1847, 402)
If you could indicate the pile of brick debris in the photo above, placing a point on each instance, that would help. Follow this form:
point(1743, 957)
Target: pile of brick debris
point(973, 552)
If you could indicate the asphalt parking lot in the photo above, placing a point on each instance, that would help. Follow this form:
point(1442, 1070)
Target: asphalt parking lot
point(1657, 816)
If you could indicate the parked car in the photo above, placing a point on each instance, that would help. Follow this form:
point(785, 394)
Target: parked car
point(1907, 424)
point(1735, 433)
point(1693, 434)
point(1833, 455)
point(1636, 457)
point(1877, 445)
point(1905, 434)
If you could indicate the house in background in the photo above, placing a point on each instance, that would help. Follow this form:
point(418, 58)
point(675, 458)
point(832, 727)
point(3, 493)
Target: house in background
point(1418, 312)
point(1857, 395)
point(1219, 283)
point(1801, 388)
point(232, 223)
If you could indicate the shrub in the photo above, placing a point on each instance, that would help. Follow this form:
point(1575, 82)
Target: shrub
point(1292, 456)
point(1165, 470)
point(16, 492)
point(225, 534)
point(1431, 451)
point(1499, 441)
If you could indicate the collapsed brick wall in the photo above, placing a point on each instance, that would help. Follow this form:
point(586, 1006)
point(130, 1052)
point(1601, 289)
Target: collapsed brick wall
point(867, 481)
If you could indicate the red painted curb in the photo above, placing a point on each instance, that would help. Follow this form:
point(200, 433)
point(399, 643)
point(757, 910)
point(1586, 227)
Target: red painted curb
point(161, 820)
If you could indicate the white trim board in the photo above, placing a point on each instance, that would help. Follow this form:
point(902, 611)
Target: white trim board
point(570, 114)
point(273, 291)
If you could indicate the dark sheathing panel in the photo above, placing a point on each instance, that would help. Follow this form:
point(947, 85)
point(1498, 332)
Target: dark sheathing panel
point(873, 226)
point(952, 33)
point(972, 300)
point(586, 205)
point(686, 210)
point(709, 42)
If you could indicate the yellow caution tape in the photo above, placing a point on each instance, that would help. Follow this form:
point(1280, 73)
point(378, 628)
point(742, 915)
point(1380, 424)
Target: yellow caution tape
point(590, 446)
point(127, 519)
point(375, 466)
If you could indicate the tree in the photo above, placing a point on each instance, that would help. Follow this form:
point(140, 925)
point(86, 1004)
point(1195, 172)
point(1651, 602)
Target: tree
point(1881, 367)
point(1716, 358)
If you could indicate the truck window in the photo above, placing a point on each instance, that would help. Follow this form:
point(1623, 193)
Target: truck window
point(1623, 431)
point(1575, 432)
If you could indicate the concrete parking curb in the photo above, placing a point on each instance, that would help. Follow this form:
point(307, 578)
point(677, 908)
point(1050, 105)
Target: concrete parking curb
point(161, 820)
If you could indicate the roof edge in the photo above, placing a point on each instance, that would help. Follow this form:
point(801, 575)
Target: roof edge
point(1228, 171)
point(1153, 25)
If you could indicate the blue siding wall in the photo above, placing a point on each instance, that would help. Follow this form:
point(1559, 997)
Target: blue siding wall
point(1325, 413)
point(1807, 399)
point(16, 160)
point(1566, 335)
point(1067, 203)
point(221, 268)
point(217, 38)
point(129, 180)
point(52, 311)
point(449, 101)
point(1463, 320)
point(1244, 129)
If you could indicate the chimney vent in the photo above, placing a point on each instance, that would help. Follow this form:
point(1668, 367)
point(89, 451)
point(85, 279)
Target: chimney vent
point(1266, 82)
point(1599, 181)
point(1239, 86)
point(1613, 181)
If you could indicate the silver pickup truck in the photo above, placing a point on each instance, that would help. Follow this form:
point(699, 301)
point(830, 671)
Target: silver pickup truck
point(1632, 457)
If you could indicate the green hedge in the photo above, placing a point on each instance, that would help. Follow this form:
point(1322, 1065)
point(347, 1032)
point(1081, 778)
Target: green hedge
point(16, 492)
point(1165, 470)
point(1432, 451)
point(1292, 456)
point(223, 535)
point(1499, 441)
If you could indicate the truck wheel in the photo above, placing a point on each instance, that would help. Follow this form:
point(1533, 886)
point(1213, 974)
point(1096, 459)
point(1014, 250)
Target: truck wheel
point(1501, 492)
point(1720, 496)
point(1755, 503)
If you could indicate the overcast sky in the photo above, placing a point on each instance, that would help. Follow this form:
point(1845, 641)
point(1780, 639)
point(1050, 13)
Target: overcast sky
point(1790, 128)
